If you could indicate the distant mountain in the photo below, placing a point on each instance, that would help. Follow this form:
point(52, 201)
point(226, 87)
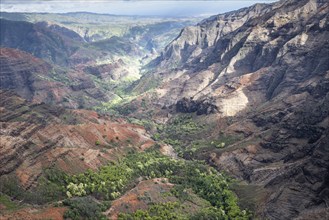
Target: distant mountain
point(112, 48)
point(71, 64)
point(38, 40)
point(261, 74)
point(65, 32)
point(95, 27)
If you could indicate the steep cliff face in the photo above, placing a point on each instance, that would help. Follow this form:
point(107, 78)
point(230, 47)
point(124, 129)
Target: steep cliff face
point(268, 66)
point(260, 73)
point(220, 55)
point(284, 150)
point(196, 40)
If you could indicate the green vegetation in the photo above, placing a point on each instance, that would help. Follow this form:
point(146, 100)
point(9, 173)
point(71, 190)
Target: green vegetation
point(117, 104)
point(47, 190)
point(189, 135)
point(117, 45)
point(6, 201)
point(147, 124)
point(113, 180)
point(183, 126)
point(108, 183)
point(146, 83)
point(174, 210)
point(164, 211)
point(250, 195)
point(180, 131)
point(213, 213)
point(84, 208)
point(88, 193)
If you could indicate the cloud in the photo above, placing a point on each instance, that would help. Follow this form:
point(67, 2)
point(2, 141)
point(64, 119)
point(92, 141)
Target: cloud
point(128, 7)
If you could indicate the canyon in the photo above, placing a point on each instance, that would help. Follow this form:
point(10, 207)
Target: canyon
point(246, 92)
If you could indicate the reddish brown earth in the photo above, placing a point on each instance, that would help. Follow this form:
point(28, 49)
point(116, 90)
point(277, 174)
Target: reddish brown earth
point(37, 136)
point(139, 197)
point(39, 81)
point(153, 191)
point(54, 213)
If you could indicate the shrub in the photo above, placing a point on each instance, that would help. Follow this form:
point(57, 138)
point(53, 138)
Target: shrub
point(83, 208)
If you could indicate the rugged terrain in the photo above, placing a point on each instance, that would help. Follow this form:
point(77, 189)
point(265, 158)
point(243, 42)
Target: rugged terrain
point(246, 91)
point(71, 163)
point(38, 81)
point(35, 137)
point(156, 32)
point(38, 137)
point(259, 74)
point(84, 72)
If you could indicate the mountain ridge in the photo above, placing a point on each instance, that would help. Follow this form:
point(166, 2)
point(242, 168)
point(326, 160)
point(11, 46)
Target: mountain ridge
point(246, 92)
point(263, 75)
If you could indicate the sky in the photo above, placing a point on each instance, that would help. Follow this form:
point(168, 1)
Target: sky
point(130, 7)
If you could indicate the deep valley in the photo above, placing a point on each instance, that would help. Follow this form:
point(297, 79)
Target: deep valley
point(135, 117)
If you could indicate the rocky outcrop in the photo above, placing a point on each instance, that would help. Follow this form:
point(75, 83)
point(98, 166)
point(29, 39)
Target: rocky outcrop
point(263, 71)
point(194, 41)
point(203, 107)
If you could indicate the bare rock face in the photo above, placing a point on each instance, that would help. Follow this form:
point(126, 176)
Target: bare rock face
point(200, 107)
point(224, 53)
point(286, 154)
point(194, 41)
point(268, 66)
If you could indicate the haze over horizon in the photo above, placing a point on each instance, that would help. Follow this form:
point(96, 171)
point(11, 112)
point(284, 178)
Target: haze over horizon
point(175, 8)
